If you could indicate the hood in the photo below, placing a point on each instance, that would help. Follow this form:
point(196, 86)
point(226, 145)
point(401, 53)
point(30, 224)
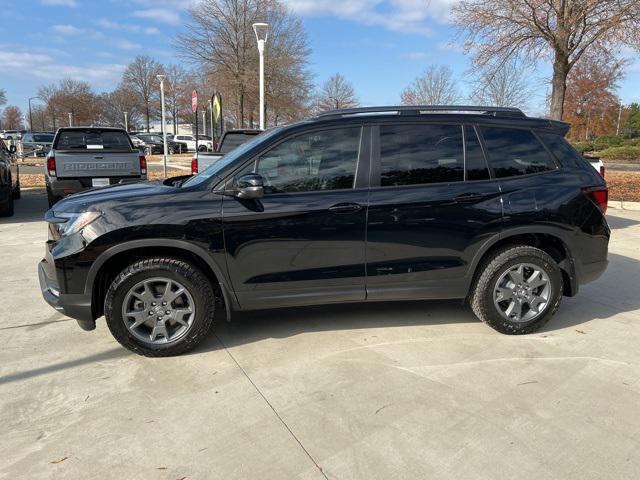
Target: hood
point(95, 198)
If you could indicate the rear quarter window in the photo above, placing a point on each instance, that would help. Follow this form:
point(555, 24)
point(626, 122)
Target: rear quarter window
point(562, 150)
point(515, 152)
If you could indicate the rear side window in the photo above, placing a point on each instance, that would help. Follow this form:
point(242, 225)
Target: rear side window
point(562, 150)
point(513, 152)
point(475, 163)
point(92, 140)
point(421, 154)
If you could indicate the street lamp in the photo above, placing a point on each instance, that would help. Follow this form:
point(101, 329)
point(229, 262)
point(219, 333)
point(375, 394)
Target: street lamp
point(262, 33)
point(126, 121)
point(164, 130)
point(211, 113)
point(70, 119)
point(30, 114)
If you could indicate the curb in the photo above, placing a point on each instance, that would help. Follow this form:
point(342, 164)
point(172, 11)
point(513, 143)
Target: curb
point(622, 205)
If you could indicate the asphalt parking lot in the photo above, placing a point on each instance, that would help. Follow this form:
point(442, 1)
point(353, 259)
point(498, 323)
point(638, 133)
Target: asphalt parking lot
point(384, 391)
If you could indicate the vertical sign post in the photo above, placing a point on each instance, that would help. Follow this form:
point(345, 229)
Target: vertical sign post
point(194, 109)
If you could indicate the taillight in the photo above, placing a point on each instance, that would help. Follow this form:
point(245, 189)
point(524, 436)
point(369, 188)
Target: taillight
point(599, 196)
point(143, 165)
point(51, 165)
point(194, 165)
point(602, 170)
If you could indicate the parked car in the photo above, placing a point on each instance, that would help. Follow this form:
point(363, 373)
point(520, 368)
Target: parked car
point(370, 204)
point(10, 135)
point(598, 164)
point(231, 140)
point(153, 144)
point(9, 179)
point(82, 158)
point(36, 144)
point(190, 140)
point(207, 142)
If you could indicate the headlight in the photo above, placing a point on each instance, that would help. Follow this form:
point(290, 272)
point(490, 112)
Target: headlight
point(70, 223)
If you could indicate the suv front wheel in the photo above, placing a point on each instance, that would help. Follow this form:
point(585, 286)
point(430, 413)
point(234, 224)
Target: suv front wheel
point(160, 307)
point(519, 289)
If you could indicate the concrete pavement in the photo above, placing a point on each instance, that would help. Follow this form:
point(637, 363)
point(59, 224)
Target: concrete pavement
point(406, 390)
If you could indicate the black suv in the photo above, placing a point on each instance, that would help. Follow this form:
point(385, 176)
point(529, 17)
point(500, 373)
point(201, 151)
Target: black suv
point(375, 204)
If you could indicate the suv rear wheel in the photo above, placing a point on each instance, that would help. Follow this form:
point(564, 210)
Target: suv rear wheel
point(519, 289)
point(160, 307)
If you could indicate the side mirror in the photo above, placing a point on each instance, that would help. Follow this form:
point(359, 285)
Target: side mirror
point(12, 149)
point(250, 187)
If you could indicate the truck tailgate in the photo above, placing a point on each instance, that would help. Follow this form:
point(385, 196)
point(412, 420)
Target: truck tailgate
point(97, 164)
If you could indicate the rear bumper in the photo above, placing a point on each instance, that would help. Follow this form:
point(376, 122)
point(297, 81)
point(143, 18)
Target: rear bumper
point(592, 271)
point(62, 187)
point(77, 307)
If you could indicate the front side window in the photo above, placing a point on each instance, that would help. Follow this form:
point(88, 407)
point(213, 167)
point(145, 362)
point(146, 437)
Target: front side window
point(315, 161)
point(421, 154)
point(513, 152)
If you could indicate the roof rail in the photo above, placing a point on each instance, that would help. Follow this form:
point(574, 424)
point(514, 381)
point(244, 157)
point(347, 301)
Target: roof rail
point(425, 109)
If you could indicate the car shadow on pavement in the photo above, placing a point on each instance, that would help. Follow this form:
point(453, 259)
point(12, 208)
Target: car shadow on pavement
point(30, 208)
point(618, 223)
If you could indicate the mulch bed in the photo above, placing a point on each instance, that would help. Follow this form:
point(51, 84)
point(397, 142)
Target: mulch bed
point(624, 186)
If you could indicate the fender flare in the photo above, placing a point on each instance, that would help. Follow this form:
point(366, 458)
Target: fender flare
point(563, 235)
point(229, 296)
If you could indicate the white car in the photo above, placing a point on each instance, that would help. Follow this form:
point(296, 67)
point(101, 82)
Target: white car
point(597, 164)
point(190, 140)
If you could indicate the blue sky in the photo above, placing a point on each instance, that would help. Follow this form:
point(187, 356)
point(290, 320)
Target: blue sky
point(379, 45)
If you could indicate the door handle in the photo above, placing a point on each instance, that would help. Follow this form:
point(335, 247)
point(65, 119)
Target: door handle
point(345, 208)
point(468, 197)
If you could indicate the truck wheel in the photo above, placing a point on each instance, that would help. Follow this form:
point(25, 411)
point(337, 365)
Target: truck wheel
point(7, 208)
point(160, 307)
point(52, 199)
point(518, 290)
point(17, 193)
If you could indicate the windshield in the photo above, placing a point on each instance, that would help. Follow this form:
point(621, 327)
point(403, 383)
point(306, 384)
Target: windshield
point(232, 141)
point(230, 158)
point(43, 138)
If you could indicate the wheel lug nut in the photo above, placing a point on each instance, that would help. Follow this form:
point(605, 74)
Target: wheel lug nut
point(164, 304)
point(168, 312)
point(150, 313)
point(153, 304)
point(159, 318)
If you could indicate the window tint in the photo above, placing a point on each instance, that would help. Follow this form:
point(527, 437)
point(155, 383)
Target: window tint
point(419, 154)
point(475, 163)
point(76, 139)
point(514, 152)
point(314, 161)
point(562, 150)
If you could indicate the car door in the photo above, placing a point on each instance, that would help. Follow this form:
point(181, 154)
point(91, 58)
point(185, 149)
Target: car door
point(432, 205)
point(303, 242)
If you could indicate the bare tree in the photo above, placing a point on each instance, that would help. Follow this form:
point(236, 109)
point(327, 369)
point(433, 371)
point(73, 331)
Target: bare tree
point(113, 106)
point(178, 95)
point(139, 80)
point(560, 30)
point(3, 97)
point(221, 41)
point(436, 86)
point(506, 87)
point(71, 96)
point(12, 118)
point(336, 93)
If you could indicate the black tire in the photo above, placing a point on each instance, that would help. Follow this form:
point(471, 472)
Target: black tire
point(202, 148)
point(52, 199)
point(198, 286)
point(17, 193)
point(7, 208)
point(482, 295)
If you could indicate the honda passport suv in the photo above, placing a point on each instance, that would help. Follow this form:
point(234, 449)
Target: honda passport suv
point(360, 205)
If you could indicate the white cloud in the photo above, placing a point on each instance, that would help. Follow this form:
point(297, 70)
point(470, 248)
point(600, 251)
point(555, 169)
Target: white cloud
point(398, 15)
point(66, 30)
point(134, 28)
point(162, 15)
point(125, 44)
point(415, 56)
point(61, 3)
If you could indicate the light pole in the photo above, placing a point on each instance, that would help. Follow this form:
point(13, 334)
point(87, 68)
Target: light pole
point(30, 114)
point(619, 118)
point(164, 129)
point(126, 121)
point(262, 33)
point(211, 113)
point(70, 119)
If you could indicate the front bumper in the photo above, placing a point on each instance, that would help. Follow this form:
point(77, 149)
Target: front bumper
point(77, 307)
